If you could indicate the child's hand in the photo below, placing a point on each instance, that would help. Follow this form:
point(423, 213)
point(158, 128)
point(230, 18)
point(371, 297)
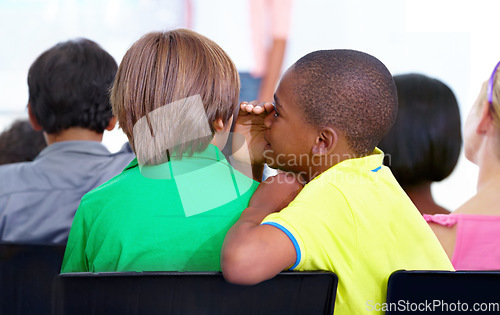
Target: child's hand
point(249, 130)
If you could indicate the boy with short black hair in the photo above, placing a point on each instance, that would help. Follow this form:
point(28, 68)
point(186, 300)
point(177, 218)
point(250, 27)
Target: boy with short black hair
point(69, 102)
point(331, 109)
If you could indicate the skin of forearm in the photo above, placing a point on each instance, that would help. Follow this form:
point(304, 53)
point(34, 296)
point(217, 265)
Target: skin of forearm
point(240, 249)
point(253, 252)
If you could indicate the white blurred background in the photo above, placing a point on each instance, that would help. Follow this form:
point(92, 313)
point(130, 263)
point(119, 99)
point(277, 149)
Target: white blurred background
point(452, 40)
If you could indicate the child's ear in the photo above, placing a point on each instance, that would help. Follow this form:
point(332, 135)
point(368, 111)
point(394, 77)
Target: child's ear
point(325, 142)
point(485, 120)
point(33, 121)
point(218, 125)
point(111, 124)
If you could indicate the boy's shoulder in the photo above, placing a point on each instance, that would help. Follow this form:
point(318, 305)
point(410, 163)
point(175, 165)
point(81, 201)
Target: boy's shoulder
point(352, 185)
point(21, 177)
point(116, 186)
point(354, 171)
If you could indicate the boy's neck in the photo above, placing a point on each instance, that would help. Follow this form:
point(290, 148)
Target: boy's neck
point(323, 163)
point(73, 134)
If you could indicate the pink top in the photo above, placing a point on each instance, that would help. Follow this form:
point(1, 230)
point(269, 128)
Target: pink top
point(477, 245)
point(245, 29)
point(268, 16)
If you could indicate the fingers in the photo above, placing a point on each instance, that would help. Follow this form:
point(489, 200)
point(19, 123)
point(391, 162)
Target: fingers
point(256, 108)
point(246, 107)
point(269, 107)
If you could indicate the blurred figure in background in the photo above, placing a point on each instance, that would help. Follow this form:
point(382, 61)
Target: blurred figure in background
point(471, 234)
point(20, 143)
point(253, 32)
point(68, 100)
point(424, 144)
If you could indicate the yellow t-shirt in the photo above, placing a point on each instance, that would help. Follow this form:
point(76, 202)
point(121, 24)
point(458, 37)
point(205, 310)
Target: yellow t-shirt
point(356, 221)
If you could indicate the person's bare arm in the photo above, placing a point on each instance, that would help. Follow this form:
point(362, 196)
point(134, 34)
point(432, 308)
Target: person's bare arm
point(275, 59)
point(446, 236)
point(252, 252)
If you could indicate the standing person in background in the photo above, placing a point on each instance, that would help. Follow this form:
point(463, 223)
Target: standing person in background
point(470, 235)
point(270, 30)
point(68, 100)
point(20, 143)
point(253, 32)
point(424, 144)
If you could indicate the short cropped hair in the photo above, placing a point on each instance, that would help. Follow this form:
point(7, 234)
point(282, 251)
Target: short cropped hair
point(69, 86)
point(349, 90)
point(20, 143)
point(424, 144)
point(171, 73)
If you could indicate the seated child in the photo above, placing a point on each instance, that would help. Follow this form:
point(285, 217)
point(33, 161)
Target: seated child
point(470, 235)
point(68, 87)
point(352, 218)
point(20, 143)
point(174, 95)
point(424, 144)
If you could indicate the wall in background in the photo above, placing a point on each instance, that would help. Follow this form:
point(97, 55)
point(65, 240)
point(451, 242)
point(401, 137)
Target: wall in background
point(451, 40)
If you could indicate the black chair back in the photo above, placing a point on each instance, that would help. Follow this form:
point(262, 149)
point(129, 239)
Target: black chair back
point(435, 292)
point(26, 275)
point(192, 293)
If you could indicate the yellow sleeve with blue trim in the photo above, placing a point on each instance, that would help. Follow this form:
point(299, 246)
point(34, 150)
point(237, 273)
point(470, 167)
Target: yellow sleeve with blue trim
point(305, 222)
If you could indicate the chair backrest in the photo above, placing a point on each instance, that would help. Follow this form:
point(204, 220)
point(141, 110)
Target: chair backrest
point(26, 275)
point(192, 293)
point(443, 291)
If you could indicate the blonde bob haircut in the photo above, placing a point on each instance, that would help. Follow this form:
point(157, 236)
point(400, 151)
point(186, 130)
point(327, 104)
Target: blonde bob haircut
point(169, 89)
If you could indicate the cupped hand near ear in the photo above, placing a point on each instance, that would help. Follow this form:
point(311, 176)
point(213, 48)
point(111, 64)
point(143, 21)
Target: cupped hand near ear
point(249, 131)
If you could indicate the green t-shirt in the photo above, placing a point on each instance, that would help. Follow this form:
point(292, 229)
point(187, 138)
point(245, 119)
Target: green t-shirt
point(169, 217)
